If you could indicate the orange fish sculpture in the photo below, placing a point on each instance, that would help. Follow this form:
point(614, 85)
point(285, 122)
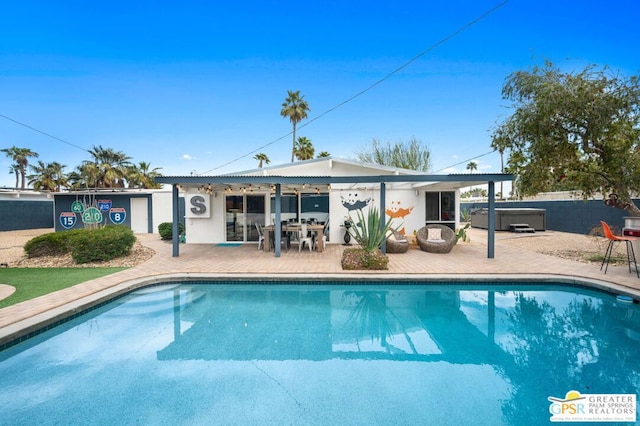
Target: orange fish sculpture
point(396, 211)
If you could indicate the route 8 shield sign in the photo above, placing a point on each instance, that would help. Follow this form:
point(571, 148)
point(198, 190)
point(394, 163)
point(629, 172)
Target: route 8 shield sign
point(117, 215)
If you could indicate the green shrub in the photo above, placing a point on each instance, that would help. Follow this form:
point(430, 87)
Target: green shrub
point(165, 229)
point(361, 259)
point(51, 244)
point(85, 245)
point(102, 244)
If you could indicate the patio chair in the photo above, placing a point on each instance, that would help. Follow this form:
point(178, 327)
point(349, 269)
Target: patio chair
point(436, 238)
point(260, 235)
point(397, 243)
point(304, 237)
point(322, 238)
point(285, 237)
point(617, 239)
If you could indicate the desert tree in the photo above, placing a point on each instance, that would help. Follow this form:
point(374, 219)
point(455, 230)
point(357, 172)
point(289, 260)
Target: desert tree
point(412, 155)
point(579, 128)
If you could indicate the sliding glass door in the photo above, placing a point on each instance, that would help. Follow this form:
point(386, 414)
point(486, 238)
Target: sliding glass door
point(242, 213)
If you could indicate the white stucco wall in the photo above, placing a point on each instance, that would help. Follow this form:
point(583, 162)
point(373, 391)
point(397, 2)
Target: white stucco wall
point(406, 206)
point(162, 205)
point(203, 228)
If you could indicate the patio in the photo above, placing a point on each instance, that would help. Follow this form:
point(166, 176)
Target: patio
point(203, 261)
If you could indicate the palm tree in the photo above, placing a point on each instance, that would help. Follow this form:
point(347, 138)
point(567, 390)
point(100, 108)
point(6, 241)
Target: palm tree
point(15, 169)
point(294, 107)
point(262, 158)
point(323, 154)
point(142, 176)
point(21, 158)
point(303, 149)
point(111, 167)
point(472, 166)
point(85, 175)
point(48, 176)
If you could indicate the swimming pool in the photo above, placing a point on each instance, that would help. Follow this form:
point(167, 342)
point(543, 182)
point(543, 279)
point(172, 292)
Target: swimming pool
point(346, 353)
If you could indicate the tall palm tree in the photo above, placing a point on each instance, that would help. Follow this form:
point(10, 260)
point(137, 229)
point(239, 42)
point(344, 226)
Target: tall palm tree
point(294, 107)
point(262, 158)
point(323, 154)
point(48, 176)
point(472, 166)
point(15, 169)
point(21, 157)
point(111, 165)
point(303, 149)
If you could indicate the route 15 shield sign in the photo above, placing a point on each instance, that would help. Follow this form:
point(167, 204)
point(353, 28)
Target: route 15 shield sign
point(67, 219)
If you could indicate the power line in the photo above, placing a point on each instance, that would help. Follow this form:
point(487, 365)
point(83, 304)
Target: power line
point(465, 161)
point(44, 133)
point(371, 86)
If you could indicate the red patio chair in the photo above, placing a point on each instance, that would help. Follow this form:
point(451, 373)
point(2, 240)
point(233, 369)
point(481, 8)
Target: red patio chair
point(618, 239)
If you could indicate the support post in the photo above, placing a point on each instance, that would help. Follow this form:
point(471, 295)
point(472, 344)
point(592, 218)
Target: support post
point(277, 227)
point(383, 197)
point(176, 218)
point(491, 236)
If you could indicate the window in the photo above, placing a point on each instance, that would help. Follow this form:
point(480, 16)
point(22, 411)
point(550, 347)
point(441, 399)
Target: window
point(289, 206)
point(441, 206)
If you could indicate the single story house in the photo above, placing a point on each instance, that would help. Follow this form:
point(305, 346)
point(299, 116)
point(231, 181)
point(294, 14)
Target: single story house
point(226, 208)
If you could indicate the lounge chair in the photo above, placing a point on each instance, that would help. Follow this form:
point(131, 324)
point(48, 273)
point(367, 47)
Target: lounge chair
point(397, 243)
point(436, 238)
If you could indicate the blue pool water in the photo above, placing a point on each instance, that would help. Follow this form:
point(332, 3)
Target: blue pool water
point(203, 354)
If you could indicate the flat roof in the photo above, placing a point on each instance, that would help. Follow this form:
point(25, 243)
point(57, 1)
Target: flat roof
point(419, 180)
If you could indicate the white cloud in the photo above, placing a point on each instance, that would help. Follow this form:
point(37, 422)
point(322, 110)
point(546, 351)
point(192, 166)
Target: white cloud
point(187, 157)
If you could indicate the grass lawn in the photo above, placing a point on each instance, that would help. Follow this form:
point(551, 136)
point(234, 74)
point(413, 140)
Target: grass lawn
point(34, 282)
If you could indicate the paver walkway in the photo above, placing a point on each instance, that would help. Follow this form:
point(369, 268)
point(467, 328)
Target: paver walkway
point(466, 261)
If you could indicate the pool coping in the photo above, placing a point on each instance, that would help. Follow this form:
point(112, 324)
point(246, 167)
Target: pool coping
point(21, 330)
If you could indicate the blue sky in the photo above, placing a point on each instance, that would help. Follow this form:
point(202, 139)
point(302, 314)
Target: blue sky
point(197, 86)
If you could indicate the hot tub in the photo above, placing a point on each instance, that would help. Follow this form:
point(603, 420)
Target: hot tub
point(505, 217)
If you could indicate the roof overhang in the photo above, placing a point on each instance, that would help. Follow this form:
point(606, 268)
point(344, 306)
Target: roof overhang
point(413, 181)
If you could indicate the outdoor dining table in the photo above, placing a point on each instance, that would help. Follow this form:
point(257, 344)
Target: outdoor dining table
point(294, 227)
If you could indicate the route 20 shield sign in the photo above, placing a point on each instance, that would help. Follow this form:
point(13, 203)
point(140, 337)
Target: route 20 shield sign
point(67, 219)
point(117, 215)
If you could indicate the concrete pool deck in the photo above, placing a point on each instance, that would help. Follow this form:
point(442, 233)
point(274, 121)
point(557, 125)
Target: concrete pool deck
point(208, 261)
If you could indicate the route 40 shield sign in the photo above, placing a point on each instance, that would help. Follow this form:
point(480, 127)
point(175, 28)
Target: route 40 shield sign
point(117, 215)
point(67, 219)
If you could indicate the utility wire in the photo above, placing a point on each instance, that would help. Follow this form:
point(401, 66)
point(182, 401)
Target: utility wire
point(346, 101)
point(44, 133)
point(465, 161)
point(371, 86)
